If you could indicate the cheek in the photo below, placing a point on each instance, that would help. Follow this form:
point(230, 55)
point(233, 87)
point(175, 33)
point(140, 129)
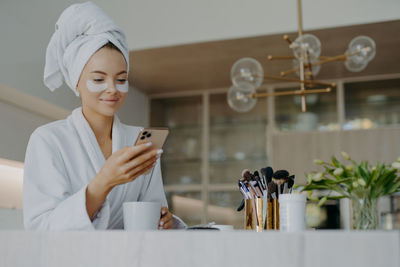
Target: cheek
point(95, 87)
point(123, 96)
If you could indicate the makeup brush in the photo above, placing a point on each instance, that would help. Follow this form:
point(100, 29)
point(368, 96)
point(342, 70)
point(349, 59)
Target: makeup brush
point(291, 183)
point(279, 178)
point(241, 206)
point(246, 174)
point(281, 174)
point(272, 188)
point(269, 172)
point(285, 187)
point(259, 181)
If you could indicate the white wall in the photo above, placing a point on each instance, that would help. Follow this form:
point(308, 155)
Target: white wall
point(16, 127)
point(26, 27)
point(155, 23)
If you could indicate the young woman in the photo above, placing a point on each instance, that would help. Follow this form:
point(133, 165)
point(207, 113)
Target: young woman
point(79, 171)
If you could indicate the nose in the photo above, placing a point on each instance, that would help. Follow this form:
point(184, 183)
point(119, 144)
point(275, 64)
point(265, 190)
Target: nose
point(111, 88)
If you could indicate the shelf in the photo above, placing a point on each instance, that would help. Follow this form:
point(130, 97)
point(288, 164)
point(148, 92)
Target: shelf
point(185, 127)
point(235, 161)
point(214, 162)
point(250, 125)
point(181, 161)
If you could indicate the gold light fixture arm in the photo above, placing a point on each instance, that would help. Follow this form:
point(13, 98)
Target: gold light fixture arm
point(301, 60)
point(270, 57)
point(296, 92)
point(299, 81)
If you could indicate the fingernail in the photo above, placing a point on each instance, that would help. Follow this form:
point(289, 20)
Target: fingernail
point(161, 223)
point(149, 144)
point(160, 151)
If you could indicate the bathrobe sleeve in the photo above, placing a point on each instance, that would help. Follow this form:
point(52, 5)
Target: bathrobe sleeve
point(49, 203)
point(153, 191)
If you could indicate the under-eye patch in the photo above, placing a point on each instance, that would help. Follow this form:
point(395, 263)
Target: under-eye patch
point(123, 88)
point(98, 87)
point(95, 87)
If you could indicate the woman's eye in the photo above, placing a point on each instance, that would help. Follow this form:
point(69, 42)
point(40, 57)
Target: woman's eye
point(98, 80)
point(122, 80)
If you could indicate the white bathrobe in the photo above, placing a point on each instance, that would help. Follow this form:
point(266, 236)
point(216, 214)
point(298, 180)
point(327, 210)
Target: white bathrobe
point(62, 157)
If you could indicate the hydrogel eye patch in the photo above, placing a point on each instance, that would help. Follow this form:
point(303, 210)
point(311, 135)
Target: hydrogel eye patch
point(123, 88)
point(95, 87)
point(98, 87)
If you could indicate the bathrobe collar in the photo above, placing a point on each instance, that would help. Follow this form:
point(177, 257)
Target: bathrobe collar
point(89, 140)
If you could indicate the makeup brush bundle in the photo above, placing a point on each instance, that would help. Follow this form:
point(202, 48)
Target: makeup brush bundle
point(260, 196)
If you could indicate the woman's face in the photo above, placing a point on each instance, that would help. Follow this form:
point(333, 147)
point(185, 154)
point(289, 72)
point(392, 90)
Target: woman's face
point(98, 85)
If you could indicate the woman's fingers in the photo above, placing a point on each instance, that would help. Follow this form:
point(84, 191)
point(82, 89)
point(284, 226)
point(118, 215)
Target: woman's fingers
point(133, 151)
point(168, 225)
point(141, 169)
point(163, 211)
point(153, 154)
point(166, 219)
point(165, 223)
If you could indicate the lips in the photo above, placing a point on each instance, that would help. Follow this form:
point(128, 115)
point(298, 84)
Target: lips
point(110, 100)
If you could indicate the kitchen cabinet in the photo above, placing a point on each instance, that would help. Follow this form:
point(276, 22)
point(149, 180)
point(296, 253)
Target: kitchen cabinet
point(210, 144)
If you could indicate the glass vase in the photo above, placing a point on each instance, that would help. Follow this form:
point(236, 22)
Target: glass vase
point(364, 213)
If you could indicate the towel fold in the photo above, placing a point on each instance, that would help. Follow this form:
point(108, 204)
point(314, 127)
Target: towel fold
point(79, 32)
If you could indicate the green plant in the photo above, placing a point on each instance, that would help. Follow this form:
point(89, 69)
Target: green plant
point(354, 181)
point(360, 182)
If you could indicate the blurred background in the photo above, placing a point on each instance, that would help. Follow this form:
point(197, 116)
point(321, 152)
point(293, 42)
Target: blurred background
point(181, 55)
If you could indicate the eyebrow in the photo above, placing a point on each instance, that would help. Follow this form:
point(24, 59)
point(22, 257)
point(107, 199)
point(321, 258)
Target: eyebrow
point(101, 72)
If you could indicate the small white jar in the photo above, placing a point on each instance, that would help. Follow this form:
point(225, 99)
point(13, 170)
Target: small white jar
point(292, 212)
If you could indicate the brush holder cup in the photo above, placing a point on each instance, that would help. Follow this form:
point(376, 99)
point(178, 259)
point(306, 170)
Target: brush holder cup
point(261, 214)
point(253, 210)
point(272, 220)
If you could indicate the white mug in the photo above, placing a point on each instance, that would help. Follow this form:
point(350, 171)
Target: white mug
point(292, 212)
point(141, 215)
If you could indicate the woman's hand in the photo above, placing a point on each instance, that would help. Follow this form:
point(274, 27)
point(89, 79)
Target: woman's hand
point(126, 164)
point(123, 166)
point(166, 219)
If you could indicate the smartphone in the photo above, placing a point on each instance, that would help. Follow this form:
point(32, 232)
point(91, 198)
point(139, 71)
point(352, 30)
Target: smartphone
point(155, 135)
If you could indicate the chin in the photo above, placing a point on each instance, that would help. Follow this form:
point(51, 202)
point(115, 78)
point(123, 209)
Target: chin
point(108, 111)
point(105, 110)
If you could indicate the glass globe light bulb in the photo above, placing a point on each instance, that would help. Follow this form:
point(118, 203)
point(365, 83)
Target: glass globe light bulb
point(240, 99)
point(309, 43)
point(247, 71)
point(363, 48)
point(355, 64)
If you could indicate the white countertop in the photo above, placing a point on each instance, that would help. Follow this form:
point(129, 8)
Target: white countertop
point(200, 248)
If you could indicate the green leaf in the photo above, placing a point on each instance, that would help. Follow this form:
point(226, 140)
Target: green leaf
point(384, 182)
point(364, 173)
point(395, 188)
point(336, 163)
point(372, 178)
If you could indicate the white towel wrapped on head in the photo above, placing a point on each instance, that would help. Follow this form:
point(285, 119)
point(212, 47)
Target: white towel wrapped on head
point(80, 31)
